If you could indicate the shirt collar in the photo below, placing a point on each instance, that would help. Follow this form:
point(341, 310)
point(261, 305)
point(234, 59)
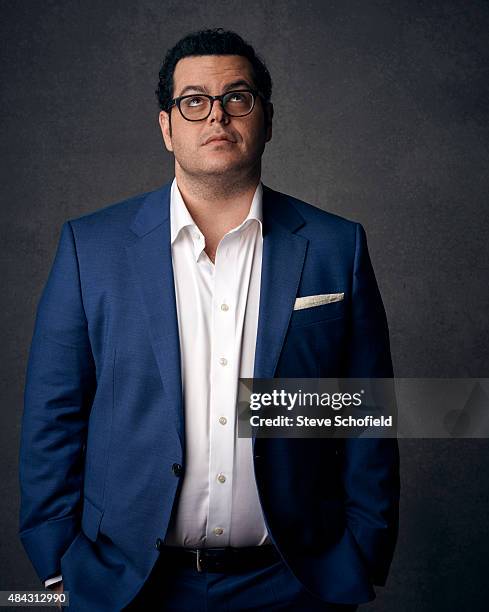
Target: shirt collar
point(180, 217)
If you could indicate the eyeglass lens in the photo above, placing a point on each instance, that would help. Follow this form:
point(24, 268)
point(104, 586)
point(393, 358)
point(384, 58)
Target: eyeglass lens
point(235, 103)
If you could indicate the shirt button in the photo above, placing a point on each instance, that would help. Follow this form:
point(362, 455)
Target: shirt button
point(221, 478)
point(223, 420)
point(223, 361)
point(197, 236)
point(218, 530)
point(224, 307)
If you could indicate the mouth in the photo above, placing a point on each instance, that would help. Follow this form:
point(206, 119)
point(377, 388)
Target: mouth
point(219, 139)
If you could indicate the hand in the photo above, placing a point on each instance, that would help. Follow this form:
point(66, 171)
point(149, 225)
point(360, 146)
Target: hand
point(57, 587)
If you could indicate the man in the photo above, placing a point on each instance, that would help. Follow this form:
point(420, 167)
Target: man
point(136, 491)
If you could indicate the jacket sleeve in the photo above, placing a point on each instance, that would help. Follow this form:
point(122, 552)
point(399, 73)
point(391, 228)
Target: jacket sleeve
point(370, 465)
point(59, 388)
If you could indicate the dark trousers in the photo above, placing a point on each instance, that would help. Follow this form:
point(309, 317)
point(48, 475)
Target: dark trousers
point(274, 587)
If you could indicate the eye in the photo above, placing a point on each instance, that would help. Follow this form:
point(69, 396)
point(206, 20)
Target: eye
point(194, 101)
point(237, 97)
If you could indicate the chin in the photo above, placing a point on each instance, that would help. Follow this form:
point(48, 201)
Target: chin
point(222, 167)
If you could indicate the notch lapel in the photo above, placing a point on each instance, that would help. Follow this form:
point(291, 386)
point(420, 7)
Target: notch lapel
point(282, 263)
point(151, 263)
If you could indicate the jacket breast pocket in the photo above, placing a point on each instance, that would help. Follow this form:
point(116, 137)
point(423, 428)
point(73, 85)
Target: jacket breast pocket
point(316, 314)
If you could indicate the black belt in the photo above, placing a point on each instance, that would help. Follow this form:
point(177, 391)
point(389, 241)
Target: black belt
point(222, 560)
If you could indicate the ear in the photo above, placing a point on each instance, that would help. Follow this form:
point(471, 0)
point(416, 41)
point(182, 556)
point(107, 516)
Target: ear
point(164, 121)
point(269, 116)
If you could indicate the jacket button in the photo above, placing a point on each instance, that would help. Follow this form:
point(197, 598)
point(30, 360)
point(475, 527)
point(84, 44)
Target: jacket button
point(159, 543)
point(177, 469)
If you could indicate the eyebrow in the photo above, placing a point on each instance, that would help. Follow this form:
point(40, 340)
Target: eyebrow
point(227, 87)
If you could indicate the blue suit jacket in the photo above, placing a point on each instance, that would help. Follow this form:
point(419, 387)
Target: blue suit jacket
point(103, 419)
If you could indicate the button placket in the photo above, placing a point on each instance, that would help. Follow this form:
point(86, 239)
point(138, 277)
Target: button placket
point(223, 384)
point(195, 279)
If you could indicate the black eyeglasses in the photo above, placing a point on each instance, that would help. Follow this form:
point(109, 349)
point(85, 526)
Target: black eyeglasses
point(197, 107)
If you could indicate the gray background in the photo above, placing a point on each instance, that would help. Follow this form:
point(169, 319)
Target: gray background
point(381, 116)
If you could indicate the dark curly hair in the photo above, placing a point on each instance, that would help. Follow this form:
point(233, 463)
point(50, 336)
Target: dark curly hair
point(210, 42)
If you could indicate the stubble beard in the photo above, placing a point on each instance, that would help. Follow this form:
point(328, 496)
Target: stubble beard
point(224, 181)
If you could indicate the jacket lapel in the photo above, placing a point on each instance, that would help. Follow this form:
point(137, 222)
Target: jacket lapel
point(151, 262)
point(150, 259)
point(282, 263)
point(283, 259)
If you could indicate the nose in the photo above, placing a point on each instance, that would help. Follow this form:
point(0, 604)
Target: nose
point(217, 113)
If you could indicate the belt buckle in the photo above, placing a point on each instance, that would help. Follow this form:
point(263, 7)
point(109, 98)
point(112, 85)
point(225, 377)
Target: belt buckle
point(200, 566)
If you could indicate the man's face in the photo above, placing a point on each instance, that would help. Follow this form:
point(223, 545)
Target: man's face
point(214, 75)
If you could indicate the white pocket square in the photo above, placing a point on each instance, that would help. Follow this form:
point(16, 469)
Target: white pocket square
point(309, 301)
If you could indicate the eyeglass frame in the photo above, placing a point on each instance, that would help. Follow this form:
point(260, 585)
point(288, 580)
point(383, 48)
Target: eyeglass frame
point(176, 102)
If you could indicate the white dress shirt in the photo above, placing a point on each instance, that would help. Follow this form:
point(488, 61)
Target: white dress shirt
point(217, 306)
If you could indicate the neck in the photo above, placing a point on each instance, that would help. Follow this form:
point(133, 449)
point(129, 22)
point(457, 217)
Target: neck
point(218, 197)
point(217, 204)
